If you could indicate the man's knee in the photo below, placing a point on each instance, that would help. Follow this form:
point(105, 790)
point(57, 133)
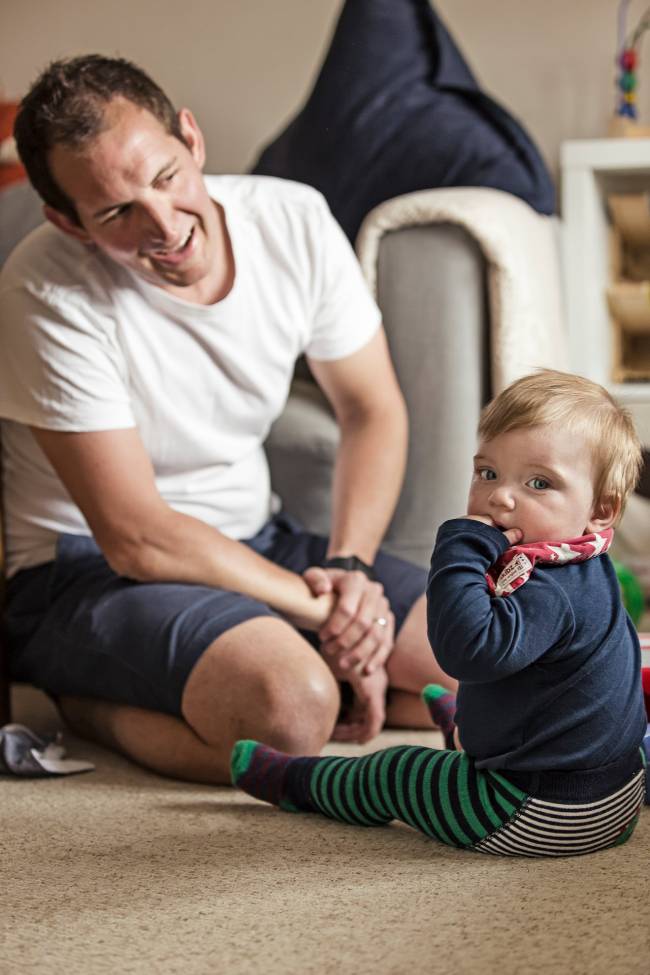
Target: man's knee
point(298, 709)
point(261, 680)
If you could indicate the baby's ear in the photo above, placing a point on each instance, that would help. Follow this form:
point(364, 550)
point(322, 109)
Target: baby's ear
point(605, 514)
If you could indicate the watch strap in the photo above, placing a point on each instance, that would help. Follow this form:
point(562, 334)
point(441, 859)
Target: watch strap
point(351, 563)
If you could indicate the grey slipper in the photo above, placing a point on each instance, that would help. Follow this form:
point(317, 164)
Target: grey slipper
point(26, 754)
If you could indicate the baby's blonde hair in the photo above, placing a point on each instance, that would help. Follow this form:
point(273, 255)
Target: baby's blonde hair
point(581, 406)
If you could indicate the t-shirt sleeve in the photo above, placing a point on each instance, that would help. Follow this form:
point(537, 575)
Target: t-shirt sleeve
point(345, 315)
point(61, 367)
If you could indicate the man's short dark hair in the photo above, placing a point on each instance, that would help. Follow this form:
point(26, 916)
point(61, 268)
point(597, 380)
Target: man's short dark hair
point(66, 106)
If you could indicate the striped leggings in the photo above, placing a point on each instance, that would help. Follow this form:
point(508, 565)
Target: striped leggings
point(443, 795)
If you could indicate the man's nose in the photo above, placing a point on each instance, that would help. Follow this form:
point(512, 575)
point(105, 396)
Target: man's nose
point(158, 224)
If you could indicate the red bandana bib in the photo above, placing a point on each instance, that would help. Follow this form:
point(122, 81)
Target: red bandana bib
point(513, 568)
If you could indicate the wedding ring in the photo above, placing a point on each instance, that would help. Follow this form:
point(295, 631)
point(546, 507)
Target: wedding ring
point(381, 621)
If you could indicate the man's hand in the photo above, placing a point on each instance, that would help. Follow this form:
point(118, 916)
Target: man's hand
point(361, 630)
point(367, 715)
point(514, 535)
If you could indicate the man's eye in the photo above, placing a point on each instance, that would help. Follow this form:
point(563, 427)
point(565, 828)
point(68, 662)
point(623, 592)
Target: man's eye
point(487, 474)
point(539, 483)
point(118, 212)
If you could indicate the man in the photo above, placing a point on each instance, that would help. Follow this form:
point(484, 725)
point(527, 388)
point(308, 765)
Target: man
point(150, 338)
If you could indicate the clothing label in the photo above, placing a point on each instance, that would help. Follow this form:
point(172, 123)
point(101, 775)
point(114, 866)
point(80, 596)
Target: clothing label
point(520, 566)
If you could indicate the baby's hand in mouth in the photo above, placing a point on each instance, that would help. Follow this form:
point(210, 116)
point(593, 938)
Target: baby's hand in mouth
point(514, 535)
point(485, 519)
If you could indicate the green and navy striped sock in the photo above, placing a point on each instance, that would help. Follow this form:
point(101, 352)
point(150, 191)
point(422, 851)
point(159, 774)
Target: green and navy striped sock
point(437, 792)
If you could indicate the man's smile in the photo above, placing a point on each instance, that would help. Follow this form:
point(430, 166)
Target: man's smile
point(174, 255)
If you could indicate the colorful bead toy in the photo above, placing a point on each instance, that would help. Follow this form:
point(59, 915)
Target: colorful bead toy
point(627, 60)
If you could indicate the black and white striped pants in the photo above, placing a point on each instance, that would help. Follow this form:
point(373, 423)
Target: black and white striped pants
point(544, 828)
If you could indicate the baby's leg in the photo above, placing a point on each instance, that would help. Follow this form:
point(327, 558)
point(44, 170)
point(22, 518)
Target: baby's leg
point(435, 791)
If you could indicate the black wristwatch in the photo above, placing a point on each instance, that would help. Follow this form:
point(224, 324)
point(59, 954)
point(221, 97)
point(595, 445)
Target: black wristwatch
point(351, 563)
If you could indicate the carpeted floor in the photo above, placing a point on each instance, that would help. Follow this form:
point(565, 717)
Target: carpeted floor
point(121, 871)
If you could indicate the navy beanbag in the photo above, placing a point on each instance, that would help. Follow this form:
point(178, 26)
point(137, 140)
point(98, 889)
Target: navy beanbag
point(395, 108)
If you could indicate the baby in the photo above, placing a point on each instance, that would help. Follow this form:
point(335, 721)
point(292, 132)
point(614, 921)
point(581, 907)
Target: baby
point(524, 609)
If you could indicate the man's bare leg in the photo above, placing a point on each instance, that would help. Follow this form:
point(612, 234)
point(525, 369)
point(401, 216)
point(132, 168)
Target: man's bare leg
point(259, 680)
point(410, 666)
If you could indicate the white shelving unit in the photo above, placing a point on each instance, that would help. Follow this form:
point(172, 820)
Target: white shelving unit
point(591, 169)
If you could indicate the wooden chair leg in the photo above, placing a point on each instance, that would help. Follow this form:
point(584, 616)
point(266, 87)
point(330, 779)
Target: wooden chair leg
point(5, 685)
point(5, 690)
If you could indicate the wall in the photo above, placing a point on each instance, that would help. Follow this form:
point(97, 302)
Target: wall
point(245, 65)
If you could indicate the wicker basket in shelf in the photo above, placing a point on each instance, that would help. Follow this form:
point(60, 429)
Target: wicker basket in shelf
point(628, 295)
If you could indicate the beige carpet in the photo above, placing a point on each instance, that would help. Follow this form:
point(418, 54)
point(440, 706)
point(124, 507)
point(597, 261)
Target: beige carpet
point(120, 871)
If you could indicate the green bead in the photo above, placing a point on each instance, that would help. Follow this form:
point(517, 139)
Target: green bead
point(631, 591)
point(627, 81)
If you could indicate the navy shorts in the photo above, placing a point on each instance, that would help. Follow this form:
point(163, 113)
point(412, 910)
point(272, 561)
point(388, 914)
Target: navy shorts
point(76, 628)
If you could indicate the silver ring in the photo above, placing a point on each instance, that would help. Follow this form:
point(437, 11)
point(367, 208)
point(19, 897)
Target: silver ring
point(381, 621)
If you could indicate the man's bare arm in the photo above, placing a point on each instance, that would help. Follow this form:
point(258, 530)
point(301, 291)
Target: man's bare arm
point(368, 476)
point(370, 462)
point(110, 477)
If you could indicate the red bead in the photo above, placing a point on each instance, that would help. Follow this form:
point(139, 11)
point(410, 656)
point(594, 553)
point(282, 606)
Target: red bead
point(628, 59)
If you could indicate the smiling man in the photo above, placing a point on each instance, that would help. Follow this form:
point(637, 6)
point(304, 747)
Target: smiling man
point(149, 332)
point(142, 201)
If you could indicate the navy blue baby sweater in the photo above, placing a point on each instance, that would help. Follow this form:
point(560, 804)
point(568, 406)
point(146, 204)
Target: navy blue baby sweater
point(550, 676)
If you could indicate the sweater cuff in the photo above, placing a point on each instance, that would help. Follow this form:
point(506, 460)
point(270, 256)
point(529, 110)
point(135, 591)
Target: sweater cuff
point(491, 539)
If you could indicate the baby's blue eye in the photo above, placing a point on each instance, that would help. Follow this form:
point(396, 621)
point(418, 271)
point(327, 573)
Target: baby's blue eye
point(487, 474)
point(539, 483)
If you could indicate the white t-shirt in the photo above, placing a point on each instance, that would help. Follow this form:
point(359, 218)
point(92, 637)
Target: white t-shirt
point(88, 345)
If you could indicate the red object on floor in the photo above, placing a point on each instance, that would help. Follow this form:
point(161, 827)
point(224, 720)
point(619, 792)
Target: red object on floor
point(645, 677)
point(644, 640)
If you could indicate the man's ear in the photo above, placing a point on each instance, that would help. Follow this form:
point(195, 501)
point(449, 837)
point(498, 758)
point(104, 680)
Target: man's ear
point(605, 514)
point(65, 224)
point(192, 135)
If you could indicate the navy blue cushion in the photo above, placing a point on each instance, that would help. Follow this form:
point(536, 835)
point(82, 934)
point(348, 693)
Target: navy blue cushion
point(395, 108)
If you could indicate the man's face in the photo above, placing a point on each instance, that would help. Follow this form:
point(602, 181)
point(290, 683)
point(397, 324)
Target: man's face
point(140, 199)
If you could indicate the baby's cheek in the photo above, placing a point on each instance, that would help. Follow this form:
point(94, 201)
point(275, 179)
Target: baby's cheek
point(474, 506)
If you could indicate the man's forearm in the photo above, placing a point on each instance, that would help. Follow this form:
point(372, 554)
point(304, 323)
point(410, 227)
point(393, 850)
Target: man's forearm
point(368, 477)
point(176, 547)
point(110, 477)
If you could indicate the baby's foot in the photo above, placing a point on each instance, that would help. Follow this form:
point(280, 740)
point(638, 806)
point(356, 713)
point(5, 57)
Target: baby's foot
point(271, 775)
point(442, 708)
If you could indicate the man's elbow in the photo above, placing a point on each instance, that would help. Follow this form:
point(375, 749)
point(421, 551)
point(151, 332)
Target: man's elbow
point(130, 556)
point(394, 408)
point(390, 415)
point(383, 403)
point(402, 420)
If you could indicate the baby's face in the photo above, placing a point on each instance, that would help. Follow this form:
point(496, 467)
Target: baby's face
point(538, 479)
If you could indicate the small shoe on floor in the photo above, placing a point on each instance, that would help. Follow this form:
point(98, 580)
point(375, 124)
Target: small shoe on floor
point(25, 754)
